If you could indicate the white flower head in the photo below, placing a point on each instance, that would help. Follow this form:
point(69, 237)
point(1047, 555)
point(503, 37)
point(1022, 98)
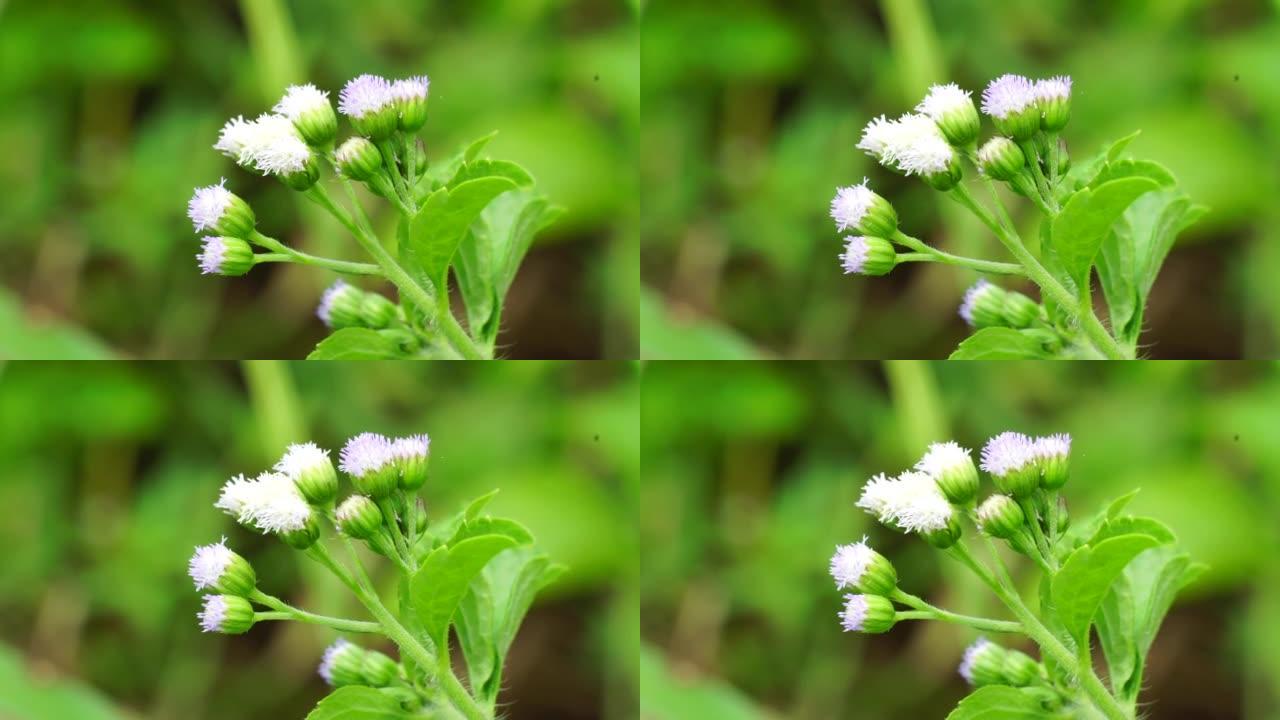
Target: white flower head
point(943, 99)
point(408, 448)
point(1007, 94)
point(854, 613)
point(1053, 446)
point(912, 143)
point(911, 501)
point(1007, 452)
point(300, 458)
point(299, 100)
point(365, 94)
point(366, 453)
point(212, 252)
point(325, 309)
point(980, 647)
point(214, 612)
point(943, 457)
point(850, 562)
point(234, 137)
point(269, 502)
point(414, 88)
point(1055, 88)
point(209, 563)
point(851, 204)
point(269, 144)
point(855, 253)
point(208, 204)
point(331, 655)
point(971, 298)
point(926, 155)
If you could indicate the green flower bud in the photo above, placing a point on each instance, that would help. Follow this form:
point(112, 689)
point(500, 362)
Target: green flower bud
point(228, 614)
point(1053, 455)
point(217, 208)
point(303, 537)
point(312, 472)
point(359, 517)
point(945, 537)
point(1053, 100)
point(953, 470)
point(1001, 159)
point(411, 101)
point(421, 516)
point(341, 306)
point(946, 179)
point(868, 255)
point(871, 614)
point(379, 670)
point(984, 664)
point(305, 178)
point(952, 110)
point(358, 159)
point(859, 208)
point(1020, 669)
point(343, 664)
point(377, 311)
point(983, 305)
point(312, 116)
point(218, 567)
point(1019, 310)
point(1010, 100)
point(1010, 459)
point(228, 256)
point(1000, 516)
point(412, 454)
point(369, 460)
point(858, 566)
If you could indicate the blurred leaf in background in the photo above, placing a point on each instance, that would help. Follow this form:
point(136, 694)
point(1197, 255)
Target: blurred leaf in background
point(753, 110)
point(751, 471)
point(105, 132)
point(115, 467)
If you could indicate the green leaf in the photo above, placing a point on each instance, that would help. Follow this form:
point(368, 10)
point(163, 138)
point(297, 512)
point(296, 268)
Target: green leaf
point(356, 344)
point(476, 527)
point(997, 343)
point(475, 507)
point(1078, 231)
point(1135, 168)
point(25, 696)
point(998, 702)
point(1085, 578)
point(356, 702)
point(1114, 624)
point(1083, 173)
point(442, 581)
point(474, 170)
point(478, 145)
point(1129, 525)
point(441, 223)
point(1117, 147)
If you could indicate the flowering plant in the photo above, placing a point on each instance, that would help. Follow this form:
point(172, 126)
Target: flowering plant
point(472, 572)
point(1111, 215)
point(1116, 575)
point(474, 215)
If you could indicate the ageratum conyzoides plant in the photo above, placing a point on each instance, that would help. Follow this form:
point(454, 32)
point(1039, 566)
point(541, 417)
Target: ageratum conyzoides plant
point(471, 572)
point(1114, 576)
point(1112, 216)
point(469, 214)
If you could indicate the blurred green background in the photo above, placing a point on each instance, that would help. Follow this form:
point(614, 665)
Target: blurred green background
point(111, 470)
point(751, 471)
point(753, 109)
point(109, 109)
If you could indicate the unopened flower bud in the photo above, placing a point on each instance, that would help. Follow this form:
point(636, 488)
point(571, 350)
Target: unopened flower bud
point(1010, 459)
point(1020, 669)
point(219, 568)
point(868, 255)
point(1053, 454)
point(303, 537)
point(218, 209)
point(1001, 159)
point(1053, 99)
point(983, 305)
point(1000, 516)
point(1010, 100)
point(1019, 310)
point(369, 460)
point(312, 471)
point(359, 517)
point(379, 670)
point(412, 454)
point(358, 159)
point(228, 256)
point(303, 179)
point(983, 663)
point(945, 178)
point(309, 110)
point(858, 566)
point(377, 312)
point(228, 614)
point(343, 664)
point(341, 306)
point(871, 614)
point(411, 102)
point(946, 536)
point(952, 110)
point(368, 102)
point(952, 468)
point(859, 208)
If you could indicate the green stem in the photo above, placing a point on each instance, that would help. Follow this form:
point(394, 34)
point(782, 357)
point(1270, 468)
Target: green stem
point(320, 554)
point(285, 611)
point(930, 612)
point(926, 253)
point(284, 253)
point(1042, 185)
point(1049, 285)
point(1037, 533)
point(453, 687)
point(449, 324)
point(389, 514)
point(390, 625)
point(389, 160)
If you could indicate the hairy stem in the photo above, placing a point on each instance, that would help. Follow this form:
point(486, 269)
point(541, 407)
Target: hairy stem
point(391, 626)
point(284, 253)
point(926, 253)
point(285, 611)
point(454, 689)
point(930, 612)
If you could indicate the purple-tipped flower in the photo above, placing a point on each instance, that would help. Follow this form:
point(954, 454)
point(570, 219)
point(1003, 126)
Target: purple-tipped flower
point(1053, 97)
point(340, 665)
point(310, 468)
point(981, 304)
point(1011, 460)
point(369, 460)
point(867, 614)
point(1053, 453)
point(228, 614)
point(952, 109)
point(867, 256)
point(308, 108)
point(858, 566)
point(411, 454)
point(414, 88)
point(980, 661)
point(340, 305)
point(368, 101)
point(225, 256)
point(217, 566)
point(858, 207)
point(951, 466)
point(1010, 100)
point(1055, 88)
point(208, 204)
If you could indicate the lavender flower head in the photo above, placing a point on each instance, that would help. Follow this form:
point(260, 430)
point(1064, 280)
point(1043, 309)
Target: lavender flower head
point(331, 657)
point(980, 647)
point(850, 562)
point(414, 88)
point(300, 458)
point(301, 99)
point(1008, 452)
point(365, 94)
point(214, 612)
point(212, 253)
point(208, 204)
point(412, 447)
point(1007, 94)
point(1053, 446)
point(209, 563)
point(943, 99)
point(972, 297)
point(325, 309)
point(854, 613)
point(854, 257)
point(851, 204)
point(1055, 88)
point(366, 453)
